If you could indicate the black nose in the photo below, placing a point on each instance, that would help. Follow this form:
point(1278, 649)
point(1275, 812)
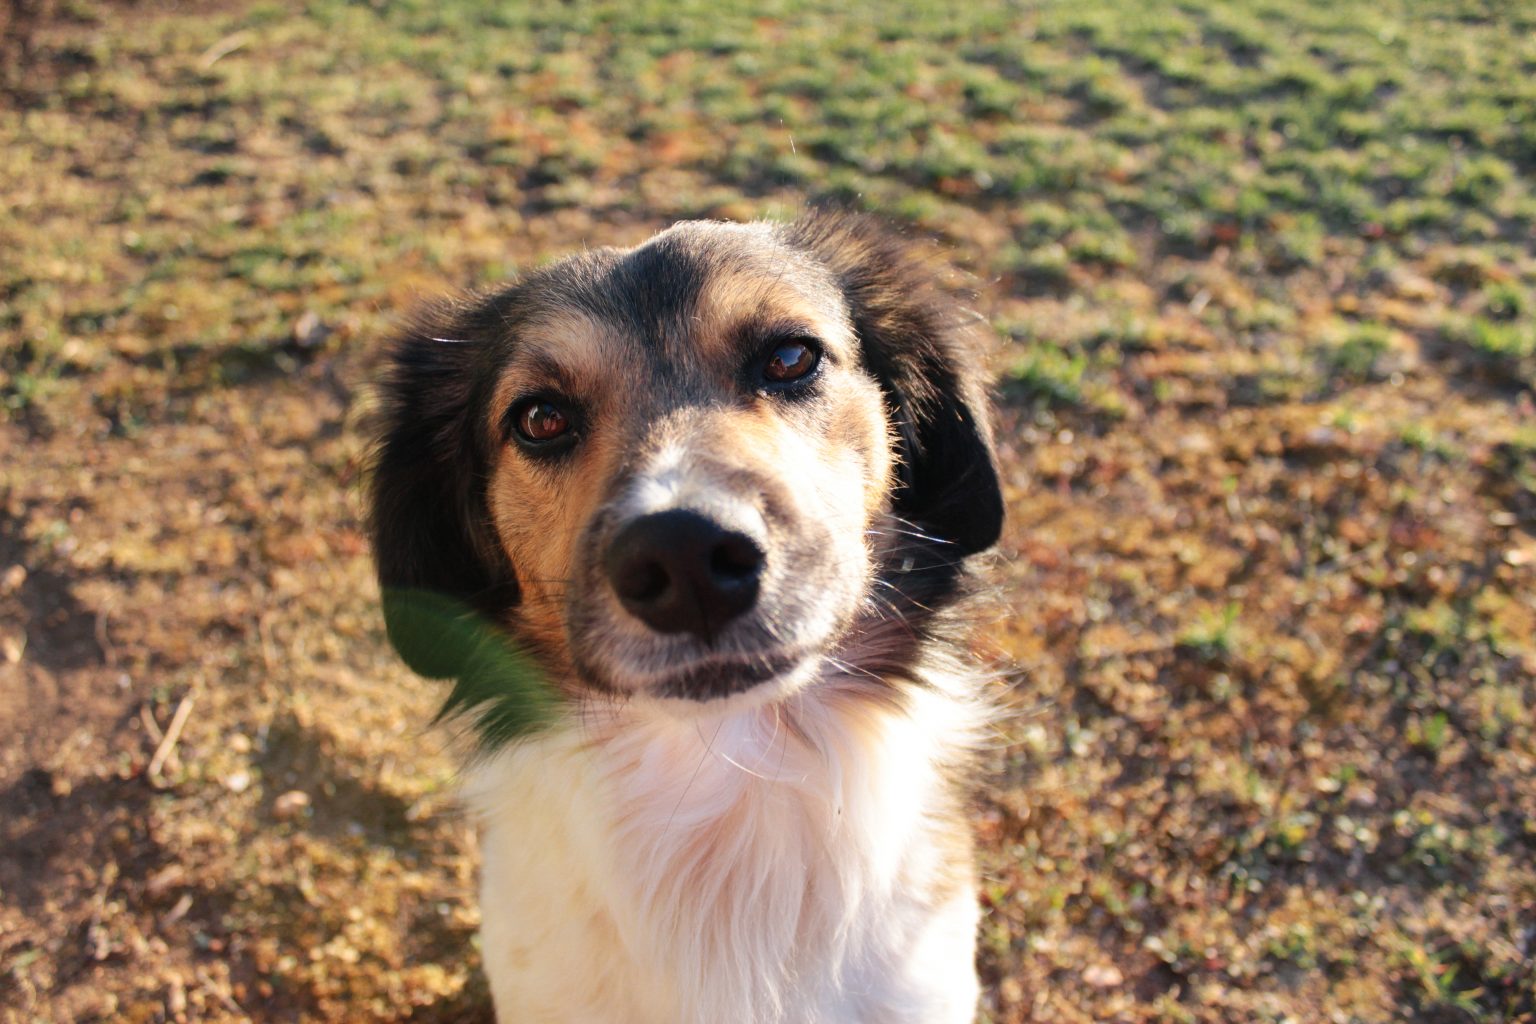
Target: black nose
point(681, 572)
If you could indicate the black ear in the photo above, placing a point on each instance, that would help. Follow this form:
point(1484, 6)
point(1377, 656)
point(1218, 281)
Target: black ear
point(924, 355)
point(428, 510)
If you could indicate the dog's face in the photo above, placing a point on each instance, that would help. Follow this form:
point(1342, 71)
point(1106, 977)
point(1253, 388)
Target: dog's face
point(685, 475)
point(687, 470)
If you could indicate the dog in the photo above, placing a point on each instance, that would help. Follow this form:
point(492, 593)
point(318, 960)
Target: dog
point(719, 493)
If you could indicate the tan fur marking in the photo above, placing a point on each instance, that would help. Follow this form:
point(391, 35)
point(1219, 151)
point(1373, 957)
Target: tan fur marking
point(585, 349)
point(732, 299)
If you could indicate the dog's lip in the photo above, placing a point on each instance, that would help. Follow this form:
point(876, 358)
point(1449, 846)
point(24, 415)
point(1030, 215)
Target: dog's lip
point(710, 678)
point(718, 678)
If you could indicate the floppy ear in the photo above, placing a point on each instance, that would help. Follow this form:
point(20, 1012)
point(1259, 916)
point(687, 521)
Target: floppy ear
point(428, 510)
point(924, 357)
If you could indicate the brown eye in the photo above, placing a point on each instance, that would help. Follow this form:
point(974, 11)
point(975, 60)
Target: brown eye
point(539, 420)
point(790, 361)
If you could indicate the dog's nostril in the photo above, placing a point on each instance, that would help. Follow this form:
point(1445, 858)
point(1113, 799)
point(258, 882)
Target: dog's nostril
point(679, 571)
point(736, 558)
point(640, 580)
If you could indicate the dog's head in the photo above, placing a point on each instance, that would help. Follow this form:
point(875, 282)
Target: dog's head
point(688, 469)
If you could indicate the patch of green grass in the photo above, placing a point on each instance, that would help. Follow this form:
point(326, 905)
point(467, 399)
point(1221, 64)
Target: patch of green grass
point(1357, 358)
point(1505, 300)
point(1213, 635)
point(1503, 347)
point(1050, 375)
point(1429, 734)
point(1423, 438)
point(1463, 978)
point(1501, 340)
point(1523, 439)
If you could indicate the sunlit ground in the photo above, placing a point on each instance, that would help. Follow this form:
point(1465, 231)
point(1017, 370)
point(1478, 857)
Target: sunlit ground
point(1264, 291)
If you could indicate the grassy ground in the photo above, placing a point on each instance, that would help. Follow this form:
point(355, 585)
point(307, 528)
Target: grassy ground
point(1264, 281)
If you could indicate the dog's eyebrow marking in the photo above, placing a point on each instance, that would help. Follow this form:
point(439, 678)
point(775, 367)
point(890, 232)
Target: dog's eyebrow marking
point(540, 364)
point(540, 377)
point(757, 330)
point(567, 343)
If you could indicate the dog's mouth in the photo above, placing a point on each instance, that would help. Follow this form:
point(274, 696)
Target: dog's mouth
point(711, 678)
point(721, 679)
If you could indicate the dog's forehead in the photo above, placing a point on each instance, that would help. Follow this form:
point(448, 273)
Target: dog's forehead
point(710, 269)
point(693, 284)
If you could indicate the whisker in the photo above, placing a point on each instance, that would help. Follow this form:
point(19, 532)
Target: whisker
point(709, 748)
point(778, 724)
point(848, 668)
point(728, 759)
point(890, 605)
point(895, 531)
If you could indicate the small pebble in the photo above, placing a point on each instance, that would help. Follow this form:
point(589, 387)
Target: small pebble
point(1099, 976)
point(290, 805)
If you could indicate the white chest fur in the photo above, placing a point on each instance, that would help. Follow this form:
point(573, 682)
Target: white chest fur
point(794, 863)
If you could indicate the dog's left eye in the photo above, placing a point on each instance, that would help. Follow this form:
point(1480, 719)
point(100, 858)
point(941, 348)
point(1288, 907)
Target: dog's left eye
point(539, 420)
point(790, 361)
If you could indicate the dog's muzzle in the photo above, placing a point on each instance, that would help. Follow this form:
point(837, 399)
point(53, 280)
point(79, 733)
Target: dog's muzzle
point(681, 571)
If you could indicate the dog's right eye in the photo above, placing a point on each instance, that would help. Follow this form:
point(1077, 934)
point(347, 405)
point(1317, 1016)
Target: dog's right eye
point(792, 360)
point(538, 421)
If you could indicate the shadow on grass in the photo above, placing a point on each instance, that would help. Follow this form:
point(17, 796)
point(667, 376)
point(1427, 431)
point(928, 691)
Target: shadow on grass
point(60, 631)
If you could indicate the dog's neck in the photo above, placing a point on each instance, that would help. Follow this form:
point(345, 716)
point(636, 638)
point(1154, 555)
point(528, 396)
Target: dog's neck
point(750, 844)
